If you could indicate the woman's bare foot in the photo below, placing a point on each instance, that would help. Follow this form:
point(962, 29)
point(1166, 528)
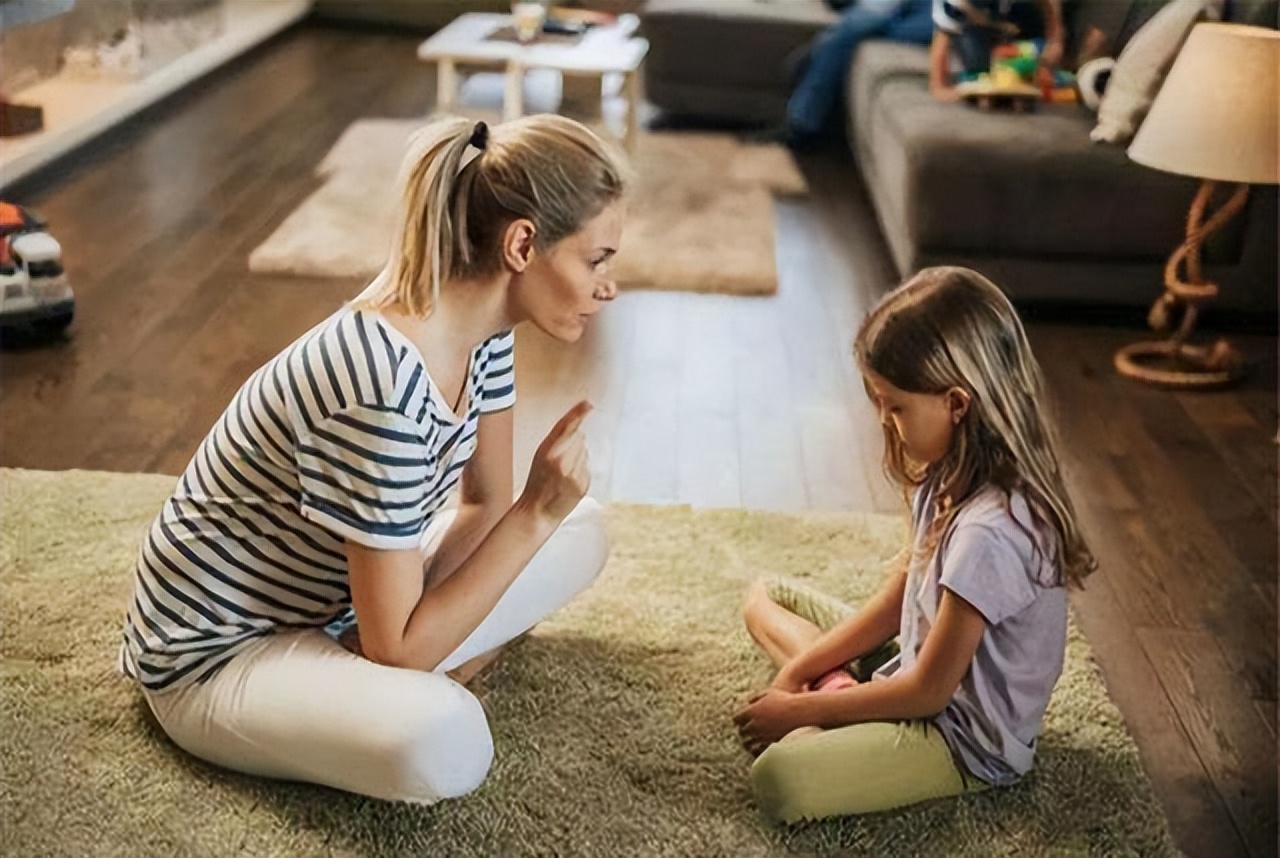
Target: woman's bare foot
point(463, 674)
point(466, 672)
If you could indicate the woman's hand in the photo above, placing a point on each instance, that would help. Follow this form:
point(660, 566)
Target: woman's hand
point(558, 475)
point(767, 717)
point(350, 639)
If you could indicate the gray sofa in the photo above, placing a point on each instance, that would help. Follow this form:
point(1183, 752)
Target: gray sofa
point(430, 15)
point(1027, 199)
point(726, 59)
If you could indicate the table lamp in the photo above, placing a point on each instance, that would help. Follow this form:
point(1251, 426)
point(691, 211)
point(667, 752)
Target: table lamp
point(1215, 119)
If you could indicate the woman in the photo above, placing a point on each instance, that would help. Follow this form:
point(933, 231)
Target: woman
point(320, 493)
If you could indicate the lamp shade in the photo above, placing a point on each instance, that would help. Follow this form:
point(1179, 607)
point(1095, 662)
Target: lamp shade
point(1217, 115)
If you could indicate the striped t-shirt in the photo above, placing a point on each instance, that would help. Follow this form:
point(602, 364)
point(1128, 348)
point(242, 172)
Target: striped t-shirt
point(970, 25)
point(953, 16)
point(343, 435)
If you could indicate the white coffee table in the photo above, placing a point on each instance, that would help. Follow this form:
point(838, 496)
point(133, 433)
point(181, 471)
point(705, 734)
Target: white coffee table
point(601, 50)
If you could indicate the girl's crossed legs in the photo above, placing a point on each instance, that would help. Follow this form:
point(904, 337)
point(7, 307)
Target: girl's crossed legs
point(296, 705)
point(862, 768)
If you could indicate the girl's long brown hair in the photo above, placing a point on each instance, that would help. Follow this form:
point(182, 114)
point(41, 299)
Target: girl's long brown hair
point(950, 328)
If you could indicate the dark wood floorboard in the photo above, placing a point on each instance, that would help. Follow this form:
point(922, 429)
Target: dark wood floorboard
point(1176, 490)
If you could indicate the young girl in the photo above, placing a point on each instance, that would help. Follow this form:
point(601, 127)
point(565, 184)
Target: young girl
point(321, 490)
point(977, 601)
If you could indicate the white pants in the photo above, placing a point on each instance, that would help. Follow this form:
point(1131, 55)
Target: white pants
point(298, 706)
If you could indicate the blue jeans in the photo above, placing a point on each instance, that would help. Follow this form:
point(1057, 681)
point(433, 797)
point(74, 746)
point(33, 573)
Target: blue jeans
point(818, 93)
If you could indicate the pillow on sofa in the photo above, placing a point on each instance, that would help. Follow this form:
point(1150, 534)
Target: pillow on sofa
point(1141, 69)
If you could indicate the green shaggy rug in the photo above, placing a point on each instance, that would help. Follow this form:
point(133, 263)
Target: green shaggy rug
point(611, 721)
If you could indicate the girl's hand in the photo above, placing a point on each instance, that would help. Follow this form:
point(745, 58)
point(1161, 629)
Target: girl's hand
point(768, 716)
point(558, 475)
point(787, 681)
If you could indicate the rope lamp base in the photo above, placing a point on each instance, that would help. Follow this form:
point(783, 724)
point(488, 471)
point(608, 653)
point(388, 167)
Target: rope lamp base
point(1170, 364)
point(1174, 362)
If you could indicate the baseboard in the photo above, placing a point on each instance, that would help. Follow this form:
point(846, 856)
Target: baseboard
point(76, 111)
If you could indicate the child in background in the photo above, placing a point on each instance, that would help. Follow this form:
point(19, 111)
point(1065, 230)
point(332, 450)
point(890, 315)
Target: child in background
point(814, 104)
point(972, 28)
point(977, 601)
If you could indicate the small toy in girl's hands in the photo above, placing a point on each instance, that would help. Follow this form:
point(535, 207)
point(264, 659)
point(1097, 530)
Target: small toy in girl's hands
point(833, 680)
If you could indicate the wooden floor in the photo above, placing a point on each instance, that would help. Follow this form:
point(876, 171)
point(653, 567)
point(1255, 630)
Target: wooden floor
point(707, 400)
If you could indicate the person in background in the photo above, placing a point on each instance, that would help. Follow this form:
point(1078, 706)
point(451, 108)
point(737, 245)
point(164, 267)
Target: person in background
point(970, 29)
point(815, 101)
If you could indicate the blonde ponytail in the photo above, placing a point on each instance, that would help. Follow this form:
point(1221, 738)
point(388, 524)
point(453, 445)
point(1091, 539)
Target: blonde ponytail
point(463, 183)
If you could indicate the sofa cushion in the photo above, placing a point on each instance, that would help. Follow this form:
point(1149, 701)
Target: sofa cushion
point(1141, 69)
point(875, 63)
point(963, 180)
point(423, 15)
point(1258, 13)
point(1117, 20)
point(431, 15)
point(738, 44)
point(806, 13)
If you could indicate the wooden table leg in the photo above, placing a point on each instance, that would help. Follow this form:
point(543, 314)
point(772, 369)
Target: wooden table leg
point(632, 86)
point(580, 96)
point(446, 85)
point(513, 100)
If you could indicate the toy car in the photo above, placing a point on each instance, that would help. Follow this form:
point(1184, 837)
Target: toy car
point(34, 293)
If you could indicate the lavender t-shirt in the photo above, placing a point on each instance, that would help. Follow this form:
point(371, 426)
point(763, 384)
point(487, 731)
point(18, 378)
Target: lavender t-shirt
point(990, 560)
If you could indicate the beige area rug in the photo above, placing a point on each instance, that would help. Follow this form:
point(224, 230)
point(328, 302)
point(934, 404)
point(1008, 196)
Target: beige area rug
point(611, 721)
point(700, 217)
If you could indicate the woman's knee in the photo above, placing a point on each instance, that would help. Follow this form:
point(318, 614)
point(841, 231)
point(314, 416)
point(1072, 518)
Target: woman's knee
point(584, 535)
point(446, 748)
